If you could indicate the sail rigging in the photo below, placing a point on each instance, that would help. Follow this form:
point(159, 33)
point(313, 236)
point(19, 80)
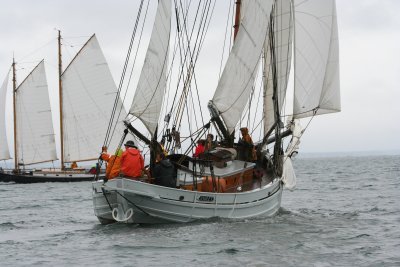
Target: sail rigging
point(277, 59)
point(87, 93)
point(247, 178)
point(35, 133)
point(240, 70)
point(149, 94)
point(316, 58)
point(4, 149)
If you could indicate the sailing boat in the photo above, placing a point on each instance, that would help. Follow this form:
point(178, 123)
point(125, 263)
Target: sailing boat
point(221, 183)
point(85, 86)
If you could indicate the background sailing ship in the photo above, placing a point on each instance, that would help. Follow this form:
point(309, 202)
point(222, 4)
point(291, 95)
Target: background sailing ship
point(251, 93)
point(85, 87)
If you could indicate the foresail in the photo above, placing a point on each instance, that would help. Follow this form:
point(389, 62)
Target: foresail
point(238, 77)
point(88, 95)
point(281, 44)
point(149, 94)
point(317, 85)
point(35, 133)
point(4, 150)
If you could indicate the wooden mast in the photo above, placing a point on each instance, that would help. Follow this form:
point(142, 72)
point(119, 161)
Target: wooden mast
point(14, 79)
point(237, 19)
point(61, 102)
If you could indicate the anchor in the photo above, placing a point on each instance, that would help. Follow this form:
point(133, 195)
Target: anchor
point(120, 216)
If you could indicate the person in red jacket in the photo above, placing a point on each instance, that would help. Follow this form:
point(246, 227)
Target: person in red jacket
point(199, 148)
point(132, 162)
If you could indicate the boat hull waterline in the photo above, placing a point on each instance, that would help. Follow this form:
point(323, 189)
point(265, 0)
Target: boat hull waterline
point(42, 178)
point(131, 201)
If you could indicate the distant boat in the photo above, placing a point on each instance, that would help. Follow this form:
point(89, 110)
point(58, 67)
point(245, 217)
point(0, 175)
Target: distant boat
point(86, 87)
point(226, 181)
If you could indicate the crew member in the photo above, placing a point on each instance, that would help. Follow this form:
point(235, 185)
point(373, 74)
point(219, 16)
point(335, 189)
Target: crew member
point(132, 162)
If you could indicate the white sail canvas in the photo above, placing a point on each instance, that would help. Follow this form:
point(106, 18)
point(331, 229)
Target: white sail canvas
point(35, 132)
point(4, 150)
point(282, 45)
point(316, 58)
point(149, 94)
point(238, 77)
point(88, 97)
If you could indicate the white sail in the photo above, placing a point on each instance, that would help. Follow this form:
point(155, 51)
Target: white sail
point(88, 95)
point(289, 175)
point(149, 94)
point(316, 58)
point(239, 73)
point(4, 150)
point(281, 42)
point(35, 133)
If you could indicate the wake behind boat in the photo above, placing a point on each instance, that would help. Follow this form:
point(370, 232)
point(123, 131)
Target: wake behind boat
point(228, 179)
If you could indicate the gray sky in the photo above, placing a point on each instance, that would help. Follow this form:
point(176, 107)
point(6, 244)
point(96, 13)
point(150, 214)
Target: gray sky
point(369, 60)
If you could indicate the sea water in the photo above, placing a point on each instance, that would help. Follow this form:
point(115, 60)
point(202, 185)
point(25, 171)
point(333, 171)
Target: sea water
point(345, 211)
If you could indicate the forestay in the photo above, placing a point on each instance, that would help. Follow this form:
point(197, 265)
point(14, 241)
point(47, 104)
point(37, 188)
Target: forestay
point(4, 150)
point(238, 77)
point(316, 58)
point(147, 101)
point(88, 95)
point(281, 45)
point(35, 133)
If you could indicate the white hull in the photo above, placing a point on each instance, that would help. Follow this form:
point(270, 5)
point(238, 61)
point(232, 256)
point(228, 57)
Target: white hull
point(139, 202)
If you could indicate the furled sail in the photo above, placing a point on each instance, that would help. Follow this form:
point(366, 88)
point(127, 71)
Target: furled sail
point(149, 94)
point(4, 150)
point(35, 133)
point(281, 44)
point(238, 77)
point(88, 95)
point(316, 58)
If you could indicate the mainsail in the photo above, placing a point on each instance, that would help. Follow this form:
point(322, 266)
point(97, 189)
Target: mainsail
point(4, 150)
point(316, 58)
point(35, 133)
point(238, 77)
point(149, 94)
point(277, 58)
point(88, 92)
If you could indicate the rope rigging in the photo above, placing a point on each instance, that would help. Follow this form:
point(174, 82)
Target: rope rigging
point(131, 73)
point(106, 140)
point(188, 58)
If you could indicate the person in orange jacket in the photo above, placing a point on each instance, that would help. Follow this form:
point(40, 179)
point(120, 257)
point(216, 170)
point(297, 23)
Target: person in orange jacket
point(132, 162)
point(248, 150)
point(113, 163)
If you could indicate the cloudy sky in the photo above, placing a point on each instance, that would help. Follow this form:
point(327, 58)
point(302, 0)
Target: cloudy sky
point(369, 60)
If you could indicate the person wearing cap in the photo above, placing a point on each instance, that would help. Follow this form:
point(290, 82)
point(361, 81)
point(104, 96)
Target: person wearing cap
point(113, 163)
point(132, 162)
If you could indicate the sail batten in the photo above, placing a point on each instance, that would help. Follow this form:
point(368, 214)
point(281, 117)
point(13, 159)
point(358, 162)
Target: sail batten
point(149, 94)
point(4, 149)
point(87, 98)
point(35, 133)
point(238, 77)
point(317, 88)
